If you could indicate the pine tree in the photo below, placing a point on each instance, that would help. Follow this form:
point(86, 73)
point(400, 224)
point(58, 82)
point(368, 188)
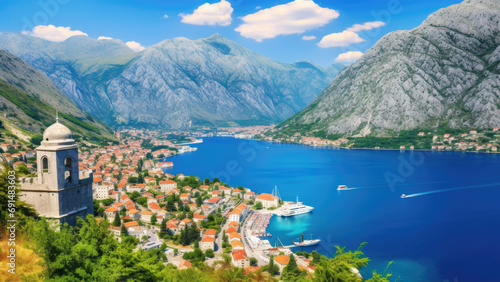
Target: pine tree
point(199, 201)
point(291, 271)
point(153, 219)
point(163, 229)
point(117, 221)
point(123, 231)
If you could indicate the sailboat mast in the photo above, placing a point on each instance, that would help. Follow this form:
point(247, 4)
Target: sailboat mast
point(276, 192)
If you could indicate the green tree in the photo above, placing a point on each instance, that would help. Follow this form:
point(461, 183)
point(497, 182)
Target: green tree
point(164, 231)
point(135, 195)
point(117, 221)
point(23, 169)
point(199, 201)
point(258, 206)
point(253, 261)
point(195, 256)
point(153, 219)
point(271, 268)
point(36, 140)
point(132, 180)
point(123, 231)
point(140, 164)
point(22, 210)
point(143, 201)
point(209, 253)
point(291, 272)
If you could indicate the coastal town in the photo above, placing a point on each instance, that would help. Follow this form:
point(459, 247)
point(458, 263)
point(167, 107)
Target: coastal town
point(189, 219)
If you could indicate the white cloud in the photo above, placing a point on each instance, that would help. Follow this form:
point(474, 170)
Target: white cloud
point(104, 38)
point(308, 37)
point(210, 14)
point(292, 18)
point(345, 38)
point(165, 16)
point(53, 33)
point(258, 8)
point(136, 46)
point(366, 26)
point(349, 57)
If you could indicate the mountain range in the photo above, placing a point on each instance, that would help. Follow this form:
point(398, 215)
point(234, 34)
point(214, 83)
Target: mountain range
point(29, 102)
point(176, 83)
point(446, 72)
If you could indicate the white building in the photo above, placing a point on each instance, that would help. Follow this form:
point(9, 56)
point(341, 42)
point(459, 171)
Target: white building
point(101, 191)
point(267, 200)
point(208, 242)
point(167, 185)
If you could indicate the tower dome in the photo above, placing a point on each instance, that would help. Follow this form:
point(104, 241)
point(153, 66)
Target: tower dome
point(57, 134)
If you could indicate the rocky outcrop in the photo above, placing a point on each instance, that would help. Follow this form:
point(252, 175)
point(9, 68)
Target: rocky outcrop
point(444, 73)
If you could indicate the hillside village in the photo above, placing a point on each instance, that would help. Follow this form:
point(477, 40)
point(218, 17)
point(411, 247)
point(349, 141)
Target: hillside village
point(190, 219)
point(457, 140)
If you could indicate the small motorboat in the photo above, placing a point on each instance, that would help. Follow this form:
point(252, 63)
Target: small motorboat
point(342, 187)
point(403, 196)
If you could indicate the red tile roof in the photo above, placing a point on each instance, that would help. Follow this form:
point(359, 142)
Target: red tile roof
point(239, 254)
point(131, 224)
point(282, 259)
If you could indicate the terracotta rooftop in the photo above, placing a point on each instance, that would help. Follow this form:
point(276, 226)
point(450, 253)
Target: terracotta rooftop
point(266, 197)
point(131, 224)
point(282, 259)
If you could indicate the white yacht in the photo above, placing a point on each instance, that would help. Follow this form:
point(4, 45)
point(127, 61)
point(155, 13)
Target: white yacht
point(342, 187)
point(291, 208)
point(305, 243)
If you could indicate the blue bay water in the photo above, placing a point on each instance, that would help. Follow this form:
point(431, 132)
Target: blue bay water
point(447, 228)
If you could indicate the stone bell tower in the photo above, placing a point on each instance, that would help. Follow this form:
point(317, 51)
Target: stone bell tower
point(60, 191)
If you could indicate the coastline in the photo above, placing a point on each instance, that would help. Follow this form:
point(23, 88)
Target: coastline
point(380, 149)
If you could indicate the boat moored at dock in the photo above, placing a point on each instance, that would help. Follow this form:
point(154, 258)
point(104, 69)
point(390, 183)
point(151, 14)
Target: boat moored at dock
point(293, 208)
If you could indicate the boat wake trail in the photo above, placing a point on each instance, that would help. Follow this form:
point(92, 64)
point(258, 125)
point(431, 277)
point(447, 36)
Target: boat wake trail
point(387, 186)
point(452, 189)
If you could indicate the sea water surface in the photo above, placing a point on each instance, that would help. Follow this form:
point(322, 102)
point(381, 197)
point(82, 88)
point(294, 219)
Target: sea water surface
point(447, 229)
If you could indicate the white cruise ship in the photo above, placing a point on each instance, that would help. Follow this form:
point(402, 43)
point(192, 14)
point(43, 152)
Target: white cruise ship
point(291, 208)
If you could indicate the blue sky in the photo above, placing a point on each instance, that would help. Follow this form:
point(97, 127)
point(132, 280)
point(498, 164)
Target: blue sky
point(275, 29)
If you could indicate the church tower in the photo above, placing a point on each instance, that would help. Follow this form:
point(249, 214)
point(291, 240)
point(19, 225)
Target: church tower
point(60, 191)
point(58, 157)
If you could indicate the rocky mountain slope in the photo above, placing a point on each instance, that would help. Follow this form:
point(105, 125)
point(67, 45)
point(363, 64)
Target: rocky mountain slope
point(445, 72)
point(175, 83)
point(29, 100)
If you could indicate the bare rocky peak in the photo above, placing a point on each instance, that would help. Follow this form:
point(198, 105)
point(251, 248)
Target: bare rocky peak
point(443, 73)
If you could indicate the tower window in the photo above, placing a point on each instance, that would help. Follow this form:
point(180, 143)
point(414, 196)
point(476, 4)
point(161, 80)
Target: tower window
point(67, 168)
point(45, 164)
point(67, 162)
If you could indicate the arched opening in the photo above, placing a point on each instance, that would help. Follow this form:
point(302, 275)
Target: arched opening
point(67, 162)
point(67, 169)
point(45, 164)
